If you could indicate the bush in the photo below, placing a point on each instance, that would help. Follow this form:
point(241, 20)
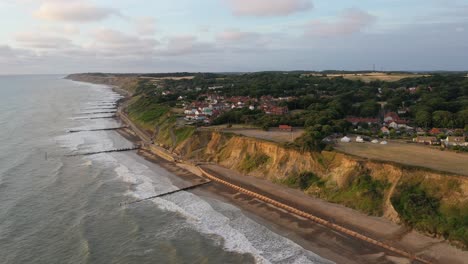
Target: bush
point(425, 212)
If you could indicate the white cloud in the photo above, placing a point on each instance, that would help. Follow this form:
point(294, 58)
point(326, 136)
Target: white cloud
point(349, 21)
point(110, 42)
point(265, 8)
point(184, 45)
point(235, 35)
point(145, 26)
point(73, 11)
point(38, 40)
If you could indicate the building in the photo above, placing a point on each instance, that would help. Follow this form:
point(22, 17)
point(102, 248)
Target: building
point(277, 110)
point(455, 141)
point(285, 128)
point(435, 131)
point(391, 116)
point(385, 130)
point(426, 140)
point(356, 120)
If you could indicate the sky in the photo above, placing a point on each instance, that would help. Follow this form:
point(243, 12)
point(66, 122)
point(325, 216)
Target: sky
point(69, 36)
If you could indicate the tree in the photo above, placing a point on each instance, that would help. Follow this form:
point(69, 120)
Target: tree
point(312, 139)
point(442, 119)
point(462, 118)
point(423, 118)
point(369, 108)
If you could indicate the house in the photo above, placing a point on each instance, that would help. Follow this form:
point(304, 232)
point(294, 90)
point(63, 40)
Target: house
point(385, 130)
point(426, 140)
point(285, 128)
point(345, 139)
point(455, 141)
point(420, 131)
point(435, 131)
point(393, 125)
point(412, 90)
point(215, 87)
point(391, 116)
point(277, 110)
point(356, 120)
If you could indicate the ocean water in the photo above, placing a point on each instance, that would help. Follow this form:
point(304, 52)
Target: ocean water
point(60, 209)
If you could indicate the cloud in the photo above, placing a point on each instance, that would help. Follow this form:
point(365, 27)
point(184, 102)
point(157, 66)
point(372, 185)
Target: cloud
point(235, 40)
point(73, 11)
point(37, 40)
point(349, 21)
point(109, 42)
point(6, 51)
point(185, 45)
point(265, 8)
point(235, 35)
point(145, 26)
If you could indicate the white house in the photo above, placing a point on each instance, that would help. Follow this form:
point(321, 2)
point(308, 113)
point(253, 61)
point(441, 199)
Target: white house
point(345, 139)
point(455, 141)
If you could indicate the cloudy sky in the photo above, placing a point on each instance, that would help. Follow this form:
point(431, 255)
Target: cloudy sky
point(65, 36)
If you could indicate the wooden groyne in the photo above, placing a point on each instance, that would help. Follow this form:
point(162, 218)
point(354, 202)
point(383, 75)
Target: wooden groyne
point(97, 129)
point(104, 151)
point(101, 108)
point(97, 117)
point(168, 193)
point(316, 219)
point(99, 112)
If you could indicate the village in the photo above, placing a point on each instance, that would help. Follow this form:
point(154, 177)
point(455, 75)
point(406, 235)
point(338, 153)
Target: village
point(213, 105)
point(392, 126)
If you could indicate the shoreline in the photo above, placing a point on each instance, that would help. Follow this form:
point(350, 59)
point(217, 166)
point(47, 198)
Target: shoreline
point(319, 239)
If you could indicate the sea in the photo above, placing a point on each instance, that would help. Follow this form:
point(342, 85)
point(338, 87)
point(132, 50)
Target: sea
point(59, 208)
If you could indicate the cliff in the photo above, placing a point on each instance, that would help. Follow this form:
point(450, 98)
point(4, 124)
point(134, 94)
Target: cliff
point(432, 202)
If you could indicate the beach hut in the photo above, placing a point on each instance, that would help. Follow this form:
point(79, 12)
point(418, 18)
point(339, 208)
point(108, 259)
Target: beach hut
point(345, 139)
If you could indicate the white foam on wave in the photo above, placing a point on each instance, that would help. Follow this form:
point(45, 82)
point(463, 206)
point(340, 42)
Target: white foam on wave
point(235, 231)
point(224, 223)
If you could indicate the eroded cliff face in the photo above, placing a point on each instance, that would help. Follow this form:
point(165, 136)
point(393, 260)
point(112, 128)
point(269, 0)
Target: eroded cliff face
point(337, 171)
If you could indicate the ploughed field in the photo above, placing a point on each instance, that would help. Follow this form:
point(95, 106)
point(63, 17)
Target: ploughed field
point(409, 154)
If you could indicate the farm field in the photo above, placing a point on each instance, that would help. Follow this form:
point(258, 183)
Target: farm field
point(375, 76)
point(273, 134)
point(409, 154)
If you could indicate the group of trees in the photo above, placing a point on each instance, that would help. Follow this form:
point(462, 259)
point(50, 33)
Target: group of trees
point(323, 103)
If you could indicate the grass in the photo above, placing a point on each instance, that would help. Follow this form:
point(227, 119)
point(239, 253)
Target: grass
point(424, 211)
point(252, 162)
point(146, 112)
point(409, 154)
point(183, 133)
point(364, 193)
